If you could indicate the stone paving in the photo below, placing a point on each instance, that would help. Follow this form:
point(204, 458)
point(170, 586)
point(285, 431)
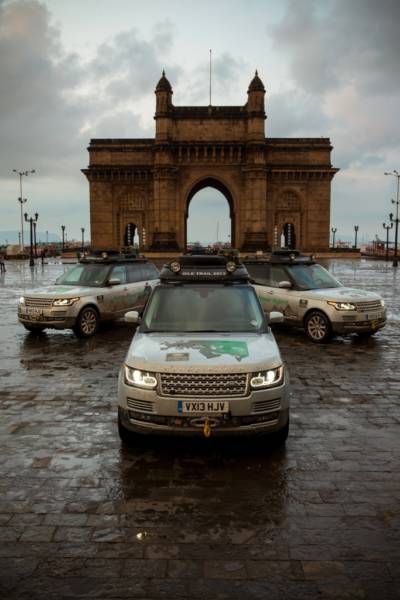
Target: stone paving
point(82, 517)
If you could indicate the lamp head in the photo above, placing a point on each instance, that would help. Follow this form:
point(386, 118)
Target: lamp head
point(36, 216)
point(26, 216)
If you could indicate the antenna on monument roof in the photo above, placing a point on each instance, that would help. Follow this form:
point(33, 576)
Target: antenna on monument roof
point(210, 76)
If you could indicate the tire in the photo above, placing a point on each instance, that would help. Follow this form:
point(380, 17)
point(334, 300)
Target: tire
point(34, 328)
point(87, 322)
point(318, 327)
point(280, 437)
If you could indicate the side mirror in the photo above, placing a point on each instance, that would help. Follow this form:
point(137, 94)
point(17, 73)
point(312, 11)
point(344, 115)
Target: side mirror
point(114, 281)
point(275, 317)
point(132, 317)
point(286, 285)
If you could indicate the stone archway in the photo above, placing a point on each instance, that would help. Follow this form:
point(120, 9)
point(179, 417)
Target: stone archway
point(217, 184)
point(268, 182)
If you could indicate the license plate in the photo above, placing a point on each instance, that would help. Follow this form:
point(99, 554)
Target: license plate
point(33, 317)
point(373, 316)
point(33, 311)
point(207, 407)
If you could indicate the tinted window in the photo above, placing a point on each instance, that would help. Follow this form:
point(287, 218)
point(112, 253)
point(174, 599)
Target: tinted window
point(203, 308)
point(141, 272)
point(278, 274)
point(313, 277)
point(150, 271)
point(259, 273)
point(85, 275)
point(118, 272)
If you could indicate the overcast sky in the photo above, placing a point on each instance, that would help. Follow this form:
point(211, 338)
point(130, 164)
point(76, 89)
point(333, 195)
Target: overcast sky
point(71, 70)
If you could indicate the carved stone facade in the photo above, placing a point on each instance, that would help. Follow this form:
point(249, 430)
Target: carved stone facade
point(274, 186)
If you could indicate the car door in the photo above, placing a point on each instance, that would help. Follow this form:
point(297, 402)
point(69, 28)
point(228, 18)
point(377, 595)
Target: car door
point(116, 299)
point(284, 300)
point(260, 275)
point(140, 277)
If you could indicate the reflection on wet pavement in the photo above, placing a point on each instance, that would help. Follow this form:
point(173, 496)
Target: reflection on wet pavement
point(82, 517)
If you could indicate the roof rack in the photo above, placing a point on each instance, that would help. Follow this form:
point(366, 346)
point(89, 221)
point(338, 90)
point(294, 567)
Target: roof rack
point(283, 256)
point(204, 268)
point(111, 256)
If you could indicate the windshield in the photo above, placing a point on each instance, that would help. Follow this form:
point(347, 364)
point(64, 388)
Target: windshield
point(313, 277)
point(203, 308)
point(85, 275)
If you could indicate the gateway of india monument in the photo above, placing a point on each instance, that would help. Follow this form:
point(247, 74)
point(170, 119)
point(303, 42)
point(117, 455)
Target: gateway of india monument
point(278, 189)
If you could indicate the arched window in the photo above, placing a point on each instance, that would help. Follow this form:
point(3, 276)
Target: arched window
point(129, 236)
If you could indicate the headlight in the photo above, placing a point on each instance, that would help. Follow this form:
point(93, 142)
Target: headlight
point(382, 302)
point(342, 305)
point(65, 301)
point(22, 300)
point(230, 266)
point(140, 379)
point(267, 378)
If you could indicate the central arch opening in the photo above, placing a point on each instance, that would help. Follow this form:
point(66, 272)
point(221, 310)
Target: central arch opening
point(209, 218)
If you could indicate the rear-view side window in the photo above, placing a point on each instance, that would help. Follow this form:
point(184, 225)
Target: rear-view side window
point(259, 273)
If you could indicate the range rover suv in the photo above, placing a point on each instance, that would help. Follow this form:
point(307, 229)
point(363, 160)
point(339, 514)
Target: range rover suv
point(310, 297)
point(203, 359)
point(99, 288)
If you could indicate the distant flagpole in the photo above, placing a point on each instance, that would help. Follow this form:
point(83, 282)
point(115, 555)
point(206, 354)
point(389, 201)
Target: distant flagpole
point(210, 77)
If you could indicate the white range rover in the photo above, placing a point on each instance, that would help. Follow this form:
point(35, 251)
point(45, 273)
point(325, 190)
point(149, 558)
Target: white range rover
point(100, 288)
point(310, 297)
point(203, 359)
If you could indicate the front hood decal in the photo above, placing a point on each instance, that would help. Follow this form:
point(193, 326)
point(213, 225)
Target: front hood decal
point(202, 353)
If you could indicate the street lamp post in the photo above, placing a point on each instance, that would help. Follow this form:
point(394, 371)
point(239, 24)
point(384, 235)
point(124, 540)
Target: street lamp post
point(31, 221)
point(83, 237)
point(387, 227)
point(356, 228)
point(63, 236)
point(34, 239)
point(334, 230)
point(396, 220)
point(22, 201)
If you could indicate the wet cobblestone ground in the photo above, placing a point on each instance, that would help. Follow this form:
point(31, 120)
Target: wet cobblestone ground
point(82, 517)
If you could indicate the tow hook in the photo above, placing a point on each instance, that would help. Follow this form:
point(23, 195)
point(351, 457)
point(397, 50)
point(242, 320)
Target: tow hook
point(206, 428)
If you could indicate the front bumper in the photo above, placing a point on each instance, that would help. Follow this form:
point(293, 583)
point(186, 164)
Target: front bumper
point(146, 412)
point(50, 317)
point(352, 325)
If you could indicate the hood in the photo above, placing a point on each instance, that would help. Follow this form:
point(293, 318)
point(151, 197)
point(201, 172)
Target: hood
point(204, 353)
point(341, 294)
point(63, 291)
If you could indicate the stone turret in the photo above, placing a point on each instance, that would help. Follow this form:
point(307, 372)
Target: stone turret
point(256, 110)
point(163, 94)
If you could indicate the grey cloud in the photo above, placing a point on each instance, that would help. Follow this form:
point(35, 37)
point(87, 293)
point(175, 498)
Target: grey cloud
point(226, 72)
point(295, 114)
point(344, 55)
point(355, 41)
point(46, 119)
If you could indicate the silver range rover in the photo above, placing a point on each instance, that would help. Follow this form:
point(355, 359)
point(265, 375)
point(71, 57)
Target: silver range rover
point(310, 297)
point(203, 360)
point(100, 288)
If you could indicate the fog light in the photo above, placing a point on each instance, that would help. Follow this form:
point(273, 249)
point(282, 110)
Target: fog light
point(175, 266)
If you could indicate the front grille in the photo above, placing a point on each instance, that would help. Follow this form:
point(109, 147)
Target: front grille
point(368, 306)
point(32, 301)
point(266, 405)
point(201, 384)
point(143, 406)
